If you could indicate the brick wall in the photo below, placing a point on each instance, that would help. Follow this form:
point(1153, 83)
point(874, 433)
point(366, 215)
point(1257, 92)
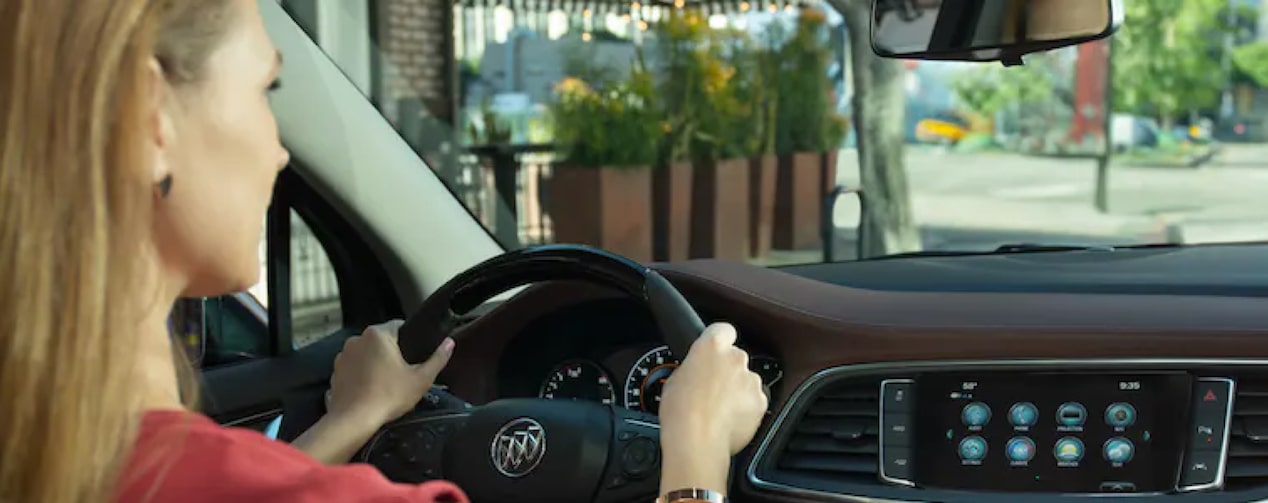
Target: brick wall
point(416, 42)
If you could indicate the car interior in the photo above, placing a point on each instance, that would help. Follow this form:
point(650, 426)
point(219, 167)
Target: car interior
point(1041, 375)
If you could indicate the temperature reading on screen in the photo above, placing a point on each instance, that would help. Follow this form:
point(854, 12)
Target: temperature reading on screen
point(968, 385)
point(1128, 385)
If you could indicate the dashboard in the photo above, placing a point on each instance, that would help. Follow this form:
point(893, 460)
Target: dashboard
point(1036, 377)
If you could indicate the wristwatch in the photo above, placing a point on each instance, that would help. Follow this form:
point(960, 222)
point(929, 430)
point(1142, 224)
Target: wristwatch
point(682, 495)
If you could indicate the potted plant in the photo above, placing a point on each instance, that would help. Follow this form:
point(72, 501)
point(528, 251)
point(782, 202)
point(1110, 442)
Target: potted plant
point(804, 111)
point(599, 194)
point(721, 149)
point(674, 45)
point(762, 64)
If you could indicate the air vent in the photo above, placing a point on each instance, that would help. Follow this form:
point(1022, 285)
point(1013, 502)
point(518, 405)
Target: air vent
point(838, 434)
point(1248, 436)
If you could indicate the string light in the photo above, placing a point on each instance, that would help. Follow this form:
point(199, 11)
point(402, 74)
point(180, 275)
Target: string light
point(636, 6)
point(744, 6)
point(788, 8)
point(642, 25)
point(772, 8)
point(586, 13)
point(678, 4)
point(586, 36)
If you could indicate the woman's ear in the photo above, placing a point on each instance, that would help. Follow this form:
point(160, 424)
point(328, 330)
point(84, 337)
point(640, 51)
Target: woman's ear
point(161, 133)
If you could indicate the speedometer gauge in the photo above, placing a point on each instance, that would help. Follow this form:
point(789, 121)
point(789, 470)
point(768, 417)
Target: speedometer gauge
point(578, 380)
point(646, 379)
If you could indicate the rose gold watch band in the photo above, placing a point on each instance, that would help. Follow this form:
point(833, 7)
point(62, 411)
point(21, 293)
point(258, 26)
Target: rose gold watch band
point(692, 495)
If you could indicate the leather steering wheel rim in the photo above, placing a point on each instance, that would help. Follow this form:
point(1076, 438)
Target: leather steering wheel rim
point(423, 331)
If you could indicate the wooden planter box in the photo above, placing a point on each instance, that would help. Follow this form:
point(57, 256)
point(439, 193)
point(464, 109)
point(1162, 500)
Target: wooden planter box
point(608, 208)
point(799, 195)
point(671, 212)
point(761, 189)
point(720, 210)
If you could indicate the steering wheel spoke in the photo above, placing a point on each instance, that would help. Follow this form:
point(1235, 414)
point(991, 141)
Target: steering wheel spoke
point(411, 449)
point(633, 467)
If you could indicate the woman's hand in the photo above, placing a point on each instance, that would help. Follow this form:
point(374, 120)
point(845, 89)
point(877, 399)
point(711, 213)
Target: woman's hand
point(710, 409)
point(371, 385)
point(372, 381)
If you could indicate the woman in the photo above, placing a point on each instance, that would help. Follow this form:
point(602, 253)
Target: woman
point(139, 154)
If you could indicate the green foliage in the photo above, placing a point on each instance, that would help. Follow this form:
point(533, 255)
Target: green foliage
point(1167, 57)
point(1252, 60)
point(616, 125)
point(492, 130)
point(987, 89)
point(805, 120)
point(706, 88)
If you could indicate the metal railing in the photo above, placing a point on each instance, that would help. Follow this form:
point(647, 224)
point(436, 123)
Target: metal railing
point(504, 187)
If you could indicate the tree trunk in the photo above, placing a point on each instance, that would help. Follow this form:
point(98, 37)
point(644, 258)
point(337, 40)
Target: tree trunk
point(878, 114)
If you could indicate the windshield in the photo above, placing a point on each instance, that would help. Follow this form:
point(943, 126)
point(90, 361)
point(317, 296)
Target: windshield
point(768, 132)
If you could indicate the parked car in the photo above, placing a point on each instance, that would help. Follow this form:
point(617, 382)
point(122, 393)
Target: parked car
point(1129, 132)
point(946, 127)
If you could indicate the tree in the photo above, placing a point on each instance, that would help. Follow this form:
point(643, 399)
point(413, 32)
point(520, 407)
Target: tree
point(1167, 57)
point(878, 111)
point(1252, 60)
point(988, 88)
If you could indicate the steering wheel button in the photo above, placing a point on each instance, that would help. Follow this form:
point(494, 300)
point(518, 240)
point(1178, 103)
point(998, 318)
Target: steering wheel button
point(616, 481)
point(639, 457)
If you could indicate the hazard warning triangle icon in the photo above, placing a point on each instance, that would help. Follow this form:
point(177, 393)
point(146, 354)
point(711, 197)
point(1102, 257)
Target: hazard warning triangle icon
point(1210, 396)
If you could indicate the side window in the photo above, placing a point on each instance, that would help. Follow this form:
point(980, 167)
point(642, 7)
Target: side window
point(316, 311)
point(234, 328)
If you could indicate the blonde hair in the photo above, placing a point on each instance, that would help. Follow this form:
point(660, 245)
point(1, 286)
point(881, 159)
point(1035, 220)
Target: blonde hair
point(76, 202)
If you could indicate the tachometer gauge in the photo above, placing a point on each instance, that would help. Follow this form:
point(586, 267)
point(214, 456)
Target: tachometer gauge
point(647, 378)
point(578, 380)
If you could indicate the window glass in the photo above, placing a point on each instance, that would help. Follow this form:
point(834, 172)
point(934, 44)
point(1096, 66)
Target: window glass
point(697, 128)
point(315, 308)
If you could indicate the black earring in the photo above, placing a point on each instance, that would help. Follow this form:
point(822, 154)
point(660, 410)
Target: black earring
point(164, 186)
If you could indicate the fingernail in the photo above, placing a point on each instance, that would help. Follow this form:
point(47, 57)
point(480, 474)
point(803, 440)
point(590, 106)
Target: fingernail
point(447, 345)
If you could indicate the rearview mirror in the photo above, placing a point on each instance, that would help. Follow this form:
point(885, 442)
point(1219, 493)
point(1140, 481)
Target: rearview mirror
point(987, 30)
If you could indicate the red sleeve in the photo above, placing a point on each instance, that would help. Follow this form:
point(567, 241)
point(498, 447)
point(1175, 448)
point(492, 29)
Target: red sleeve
point(188, 458)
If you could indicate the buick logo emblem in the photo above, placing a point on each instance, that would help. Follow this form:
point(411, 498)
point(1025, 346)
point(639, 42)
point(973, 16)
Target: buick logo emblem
point(519, 447)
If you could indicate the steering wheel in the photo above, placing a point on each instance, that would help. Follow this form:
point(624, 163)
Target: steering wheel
point(532, 450)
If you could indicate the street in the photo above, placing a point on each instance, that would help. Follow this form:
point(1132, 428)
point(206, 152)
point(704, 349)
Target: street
point(980, 201)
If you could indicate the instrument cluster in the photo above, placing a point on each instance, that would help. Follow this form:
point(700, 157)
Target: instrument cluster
point(631, 377)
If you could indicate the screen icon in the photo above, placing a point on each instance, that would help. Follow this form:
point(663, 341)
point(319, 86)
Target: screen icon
point(972, 449)
point(1021, 449)
point(1068, 450)
point(1023, 414)
point(975, 414)
point(1071, 414)
point(1118, 450)
point(1120, 415)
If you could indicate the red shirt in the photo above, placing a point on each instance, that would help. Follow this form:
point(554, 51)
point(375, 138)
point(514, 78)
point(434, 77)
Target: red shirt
point(188, 458)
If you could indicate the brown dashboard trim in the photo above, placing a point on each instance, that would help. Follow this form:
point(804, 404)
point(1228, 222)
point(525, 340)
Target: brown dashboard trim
point(811, 325)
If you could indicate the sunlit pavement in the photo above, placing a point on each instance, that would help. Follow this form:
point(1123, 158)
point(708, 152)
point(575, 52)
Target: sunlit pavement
point(980, 201)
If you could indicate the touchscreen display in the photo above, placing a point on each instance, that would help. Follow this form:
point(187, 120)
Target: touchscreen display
point(1069, 433)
